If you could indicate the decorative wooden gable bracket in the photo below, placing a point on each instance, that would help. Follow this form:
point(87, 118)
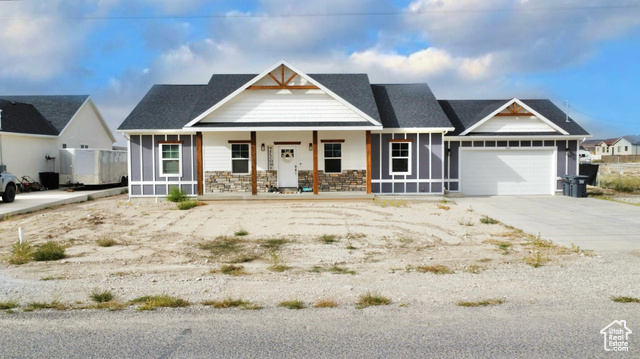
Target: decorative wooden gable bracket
point(282, 84)
point(514, 110)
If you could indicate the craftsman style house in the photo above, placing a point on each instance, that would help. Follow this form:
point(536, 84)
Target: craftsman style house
point(338, 132)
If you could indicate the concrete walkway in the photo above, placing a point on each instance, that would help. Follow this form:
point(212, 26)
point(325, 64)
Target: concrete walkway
point(586, 222)
point(35, 201)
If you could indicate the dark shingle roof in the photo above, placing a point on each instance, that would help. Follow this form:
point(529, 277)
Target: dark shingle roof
point(409, 106)
point(634, 140)
point(18, 117)
point(173, 106)
point(59, 110)
point(463, 114)
point(283, 124)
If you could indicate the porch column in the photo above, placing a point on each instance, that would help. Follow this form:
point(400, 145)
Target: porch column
point(368, 139)
point(315, 162)
point(254, 167)
point(199, 171)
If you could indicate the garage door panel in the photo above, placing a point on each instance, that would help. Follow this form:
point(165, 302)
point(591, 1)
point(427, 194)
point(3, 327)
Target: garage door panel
point(507, 172)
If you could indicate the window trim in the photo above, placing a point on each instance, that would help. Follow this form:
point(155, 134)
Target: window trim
point(391, 157)
point(161, 144)
point(324, 158)
point(248, 159)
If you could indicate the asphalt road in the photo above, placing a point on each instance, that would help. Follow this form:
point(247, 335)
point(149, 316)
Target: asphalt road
point(586, 222)
point(506, 331)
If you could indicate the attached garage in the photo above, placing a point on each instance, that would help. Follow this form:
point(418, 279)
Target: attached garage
point(507, 171)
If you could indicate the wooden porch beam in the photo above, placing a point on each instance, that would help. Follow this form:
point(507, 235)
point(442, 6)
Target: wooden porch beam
point(368, 141)
point(199, 172)
point(254, 167)
point(512, 114)
point(315, 162)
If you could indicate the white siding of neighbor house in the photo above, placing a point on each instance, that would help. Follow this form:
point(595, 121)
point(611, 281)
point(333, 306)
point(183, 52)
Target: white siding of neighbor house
point(511, 124)
point(25, 155)
point(631, 149)
point(283, 106)
point(85, 129)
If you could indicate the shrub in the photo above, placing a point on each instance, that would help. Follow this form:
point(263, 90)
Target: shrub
point(177, 194)
point(185, 205)
point(21, 253)
point(50, 251)
point(101, 296)
point(369, 299)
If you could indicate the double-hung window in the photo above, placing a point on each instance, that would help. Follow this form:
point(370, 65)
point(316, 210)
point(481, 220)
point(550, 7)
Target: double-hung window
point(240, 158)
point(170, 159)
point(400, 158)
point(333, 157)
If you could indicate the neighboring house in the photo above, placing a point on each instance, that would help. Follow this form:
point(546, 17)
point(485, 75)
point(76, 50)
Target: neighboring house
point(625, 145)
point(590, 145)
point(34, 128)
point(338, 132)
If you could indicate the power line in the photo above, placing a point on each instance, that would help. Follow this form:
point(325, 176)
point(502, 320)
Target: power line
point(346, 14)
point(601, 119)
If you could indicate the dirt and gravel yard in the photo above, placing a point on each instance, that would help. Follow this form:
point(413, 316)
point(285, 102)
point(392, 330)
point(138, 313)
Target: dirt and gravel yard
point(413, 252)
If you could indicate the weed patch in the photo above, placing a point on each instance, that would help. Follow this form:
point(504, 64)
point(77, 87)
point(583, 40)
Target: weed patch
point(475, 269)
point(222, 245)
point(186, 205)
point(481, 303)
point(55, 304)
point(50, 277)
point(229, 303)
point(435, 269)
point(241, 232)
point(101, 296)
point(273, 244)
point(177, 194)
point(9, 304)
point(443, 207)
point(21, 253)
point(329, 238)
point(244, 258)
point(620, 299)
point(151, 302)
point(325, 303)
point(106, 242)
point(537, 260)
point(333, 269)
point(233, 270)
point(369, 299)
point(49, 251)
point(292, 304)
point(277, 266)
point(488, 220)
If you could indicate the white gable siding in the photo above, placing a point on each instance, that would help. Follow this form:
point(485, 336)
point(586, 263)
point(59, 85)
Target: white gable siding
point(216, 150)
point(283, 106)
point(511, 124)
point(85, 129)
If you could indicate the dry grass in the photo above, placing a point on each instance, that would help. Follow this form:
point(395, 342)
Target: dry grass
point(435, 269)
point(325, 303)
point(292, 304)
point(369, 299)
point(223, 245)
point(151, 302)
point(106, 242)
point(231, 303)
point(621, 299)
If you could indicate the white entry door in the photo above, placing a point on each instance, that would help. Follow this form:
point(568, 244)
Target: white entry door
point(507, 171)
point(287, 167)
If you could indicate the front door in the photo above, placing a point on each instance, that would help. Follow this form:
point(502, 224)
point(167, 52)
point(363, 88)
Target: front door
point(287, 167)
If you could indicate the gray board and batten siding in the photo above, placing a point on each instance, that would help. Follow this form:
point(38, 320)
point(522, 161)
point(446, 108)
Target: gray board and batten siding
point(145, 178)
point(427, 168)
point(567, 160)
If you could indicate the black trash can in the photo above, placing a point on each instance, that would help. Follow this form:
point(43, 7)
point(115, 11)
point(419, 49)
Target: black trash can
point(50, 180)
point(579, 186)
point(566, 185)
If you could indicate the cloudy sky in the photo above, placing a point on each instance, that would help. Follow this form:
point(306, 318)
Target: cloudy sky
point(586, 52)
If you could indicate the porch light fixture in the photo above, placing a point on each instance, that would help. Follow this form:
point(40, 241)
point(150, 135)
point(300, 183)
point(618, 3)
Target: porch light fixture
point(310, 146)
point(262, 147)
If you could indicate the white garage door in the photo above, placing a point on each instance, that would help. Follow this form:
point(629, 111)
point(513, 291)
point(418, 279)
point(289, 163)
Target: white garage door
point(507, 172)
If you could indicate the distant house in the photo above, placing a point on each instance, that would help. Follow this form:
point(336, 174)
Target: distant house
point(339, 132)
point(34, 128)
point(625, 145)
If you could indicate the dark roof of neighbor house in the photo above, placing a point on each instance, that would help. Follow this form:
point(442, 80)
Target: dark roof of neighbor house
point(59, 110)
point(463, 114)
point(409, 106)
point(18, 117)
point(173, 106)
point(609, 141)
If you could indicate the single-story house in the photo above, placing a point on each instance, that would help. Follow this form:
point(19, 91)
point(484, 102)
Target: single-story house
point(34, 128)
point(339, 132)
point(626, 145)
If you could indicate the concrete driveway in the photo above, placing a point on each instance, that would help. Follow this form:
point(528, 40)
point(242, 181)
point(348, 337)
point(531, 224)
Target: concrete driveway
point(586, 222)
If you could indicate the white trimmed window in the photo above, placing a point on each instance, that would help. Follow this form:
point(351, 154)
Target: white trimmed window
point(400, 158)
point(333, 158)
point(171, 159)
point(240, 158)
